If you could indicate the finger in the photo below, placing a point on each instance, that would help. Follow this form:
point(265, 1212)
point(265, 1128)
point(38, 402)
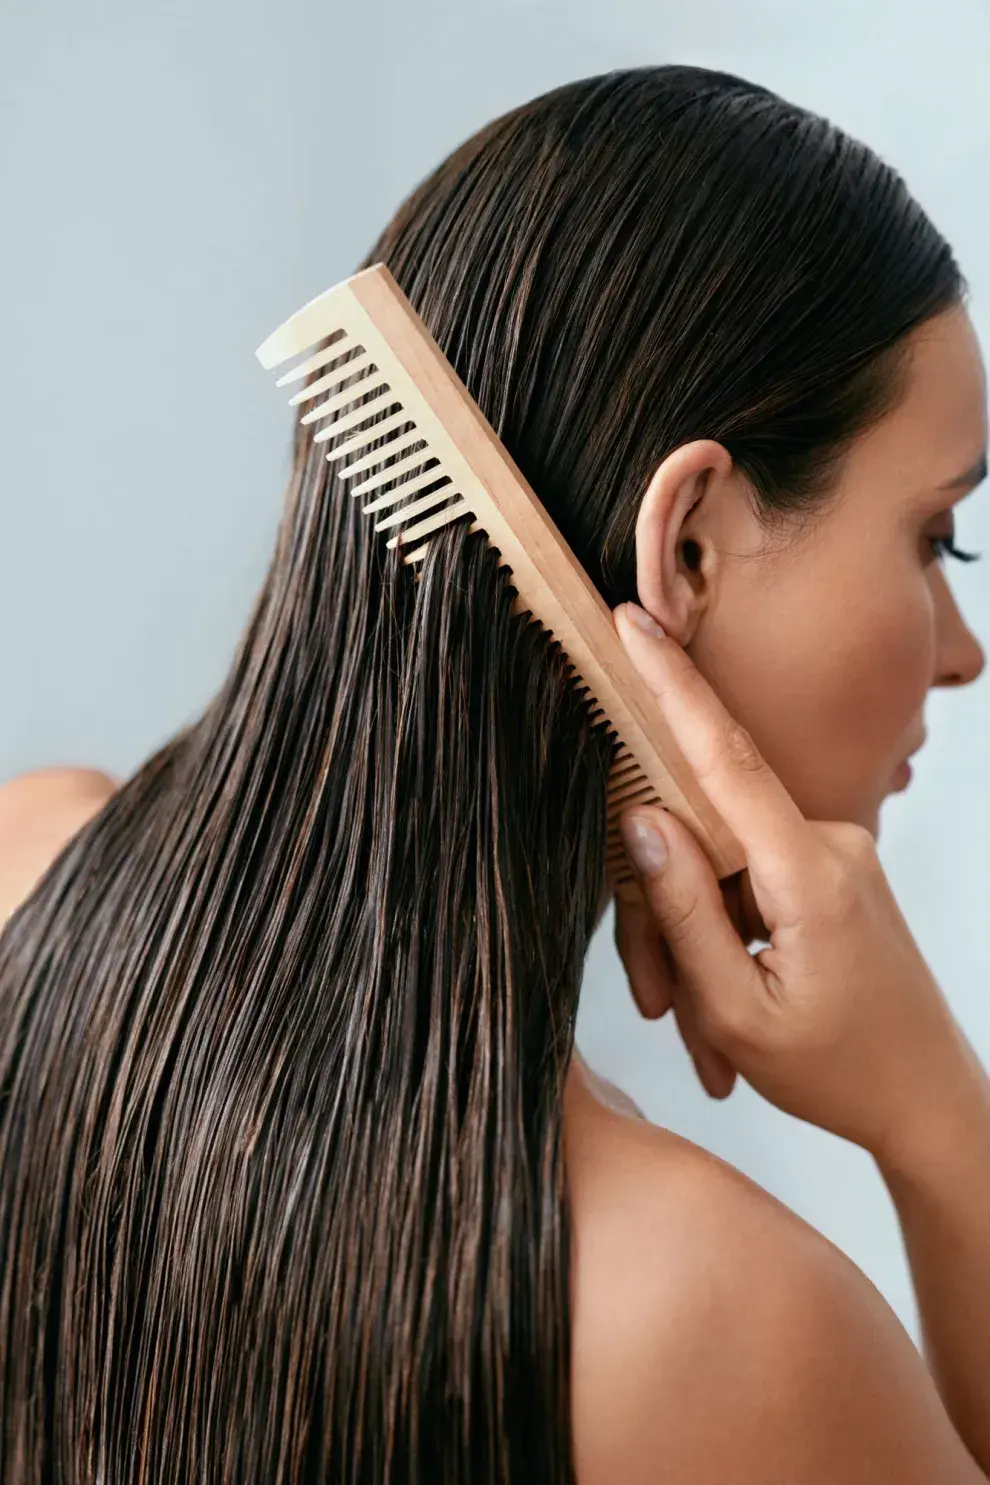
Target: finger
point(638, 942)
point(737, 779)
point(715, 1072)
point(652, 974)
point(683, 894)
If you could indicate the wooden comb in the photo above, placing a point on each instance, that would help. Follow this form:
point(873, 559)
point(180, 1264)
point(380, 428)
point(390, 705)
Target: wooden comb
point(451, 452)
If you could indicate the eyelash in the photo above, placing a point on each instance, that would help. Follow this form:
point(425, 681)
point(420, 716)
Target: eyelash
point(944, 546)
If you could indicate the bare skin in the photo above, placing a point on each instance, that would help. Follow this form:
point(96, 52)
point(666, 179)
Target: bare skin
point(39, 813)
point(717, 1337)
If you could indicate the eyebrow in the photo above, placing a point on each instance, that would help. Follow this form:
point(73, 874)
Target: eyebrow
point(970, 478)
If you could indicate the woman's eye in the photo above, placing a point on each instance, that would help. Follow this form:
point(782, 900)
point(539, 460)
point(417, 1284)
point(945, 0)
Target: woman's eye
point(944, 546)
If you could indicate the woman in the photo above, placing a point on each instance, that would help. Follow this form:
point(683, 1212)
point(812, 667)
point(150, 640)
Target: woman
point(286, 1029)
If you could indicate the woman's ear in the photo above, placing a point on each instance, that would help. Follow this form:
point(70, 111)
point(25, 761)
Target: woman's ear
point(674, 548)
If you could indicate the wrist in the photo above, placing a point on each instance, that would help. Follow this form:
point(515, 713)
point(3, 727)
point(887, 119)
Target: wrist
point(945, 1131)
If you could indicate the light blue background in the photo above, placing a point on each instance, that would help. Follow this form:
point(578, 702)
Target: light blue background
point(176, 180)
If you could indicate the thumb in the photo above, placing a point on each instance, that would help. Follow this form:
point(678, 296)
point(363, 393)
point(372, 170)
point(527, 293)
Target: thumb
point(684, 896)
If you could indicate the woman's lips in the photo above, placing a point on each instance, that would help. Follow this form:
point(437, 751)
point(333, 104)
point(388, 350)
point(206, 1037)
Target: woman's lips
point(902, 775)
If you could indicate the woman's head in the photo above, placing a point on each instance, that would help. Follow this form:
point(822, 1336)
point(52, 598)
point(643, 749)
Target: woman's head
point(824, 643)
point(732, 356)
point(283, 1033)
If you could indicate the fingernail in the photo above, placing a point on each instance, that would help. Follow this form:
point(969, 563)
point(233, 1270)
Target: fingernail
point(646, 846)
point(645, 621)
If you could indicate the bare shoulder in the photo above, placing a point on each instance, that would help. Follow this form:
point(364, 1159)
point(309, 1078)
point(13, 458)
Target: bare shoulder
point(40, 811)
point(717, 1336)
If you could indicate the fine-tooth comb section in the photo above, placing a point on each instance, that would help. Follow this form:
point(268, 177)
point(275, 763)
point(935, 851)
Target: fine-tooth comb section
point(402, 426)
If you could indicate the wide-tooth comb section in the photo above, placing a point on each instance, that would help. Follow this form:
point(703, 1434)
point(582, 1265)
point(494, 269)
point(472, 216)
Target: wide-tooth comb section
point(346, 411)
point(332, 352)
point(401, 426)
point(333, 379)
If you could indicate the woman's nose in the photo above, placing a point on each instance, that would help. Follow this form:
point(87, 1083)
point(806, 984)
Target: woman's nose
point(960, 658)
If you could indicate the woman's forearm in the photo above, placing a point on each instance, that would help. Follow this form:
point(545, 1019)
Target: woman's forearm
point(939, 1180)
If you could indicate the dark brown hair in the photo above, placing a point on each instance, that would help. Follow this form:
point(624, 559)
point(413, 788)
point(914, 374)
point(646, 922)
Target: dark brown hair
point(284, 1029)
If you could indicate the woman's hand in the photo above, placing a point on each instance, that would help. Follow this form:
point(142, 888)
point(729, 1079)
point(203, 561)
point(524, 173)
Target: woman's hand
point(840, 1022)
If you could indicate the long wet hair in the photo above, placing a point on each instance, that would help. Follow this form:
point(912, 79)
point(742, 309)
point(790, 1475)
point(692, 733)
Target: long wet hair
point(284, 1028)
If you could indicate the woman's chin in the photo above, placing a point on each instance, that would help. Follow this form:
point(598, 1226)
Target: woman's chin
point(871, 820)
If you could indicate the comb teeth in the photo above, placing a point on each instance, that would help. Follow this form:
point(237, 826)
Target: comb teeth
point(405, 462)
point(627, 786)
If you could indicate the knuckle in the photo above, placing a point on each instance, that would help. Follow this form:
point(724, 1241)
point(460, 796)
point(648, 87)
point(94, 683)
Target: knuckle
point(849, 838)
point(854, 854)
point(679, 916)
point(860, 844)
point(851, 857)
point(742, 750)
point(732, 744)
